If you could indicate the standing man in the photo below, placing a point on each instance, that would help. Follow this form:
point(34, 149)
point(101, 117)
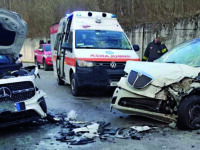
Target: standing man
point(154, 50)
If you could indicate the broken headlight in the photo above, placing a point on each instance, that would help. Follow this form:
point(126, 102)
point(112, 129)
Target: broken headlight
point(139, 80)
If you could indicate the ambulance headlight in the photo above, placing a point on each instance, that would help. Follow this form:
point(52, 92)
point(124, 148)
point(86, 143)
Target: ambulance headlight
point(82, 63)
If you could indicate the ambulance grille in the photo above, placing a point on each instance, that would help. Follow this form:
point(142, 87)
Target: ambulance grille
point(107, 65)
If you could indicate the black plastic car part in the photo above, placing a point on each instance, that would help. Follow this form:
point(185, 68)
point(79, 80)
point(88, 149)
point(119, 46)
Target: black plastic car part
point(138, 80)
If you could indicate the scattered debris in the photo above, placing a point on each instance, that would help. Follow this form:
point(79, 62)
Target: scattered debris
point(82, 141)
point(72, 115)
point(54, 118)
point(141, 128)
point(75, 132)
point(172, 125)
point(78, 122)
point(93, 128)
point(102, 126)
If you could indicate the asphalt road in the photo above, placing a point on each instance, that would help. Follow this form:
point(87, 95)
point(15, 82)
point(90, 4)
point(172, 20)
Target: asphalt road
point(92, 108)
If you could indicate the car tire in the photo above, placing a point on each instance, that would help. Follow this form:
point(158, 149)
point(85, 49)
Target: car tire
point(189, 113)
point(74, 85)
point(36, 63)
point(38, 66)
point(45, 65)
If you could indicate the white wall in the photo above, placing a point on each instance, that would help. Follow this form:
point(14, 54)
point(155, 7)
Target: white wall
point(173, 33)
point(28, 49)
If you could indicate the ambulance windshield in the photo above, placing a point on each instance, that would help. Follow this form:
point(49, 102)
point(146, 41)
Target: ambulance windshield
point(101, 39)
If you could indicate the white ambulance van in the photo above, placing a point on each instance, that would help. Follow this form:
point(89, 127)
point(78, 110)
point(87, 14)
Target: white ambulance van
point(90, 50)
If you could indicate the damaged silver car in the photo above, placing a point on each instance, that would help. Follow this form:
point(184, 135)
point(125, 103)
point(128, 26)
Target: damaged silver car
point(167, 90)
point(20, 100)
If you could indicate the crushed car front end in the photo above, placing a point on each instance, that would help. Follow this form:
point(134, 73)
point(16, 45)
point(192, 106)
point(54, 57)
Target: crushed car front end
point(20, 100)
point(126, 101)
point(156, 91)
point(167, 89)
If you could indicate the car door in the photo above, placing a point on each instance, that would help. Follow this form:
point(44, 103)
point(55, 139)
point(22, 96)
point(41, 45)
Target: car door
point(64, 55)
point(67, 53)
point(60, 59)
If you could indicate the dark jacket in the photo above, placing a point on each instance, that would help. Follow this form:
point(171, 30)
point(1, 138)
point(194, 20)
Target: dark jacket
point(154, 51)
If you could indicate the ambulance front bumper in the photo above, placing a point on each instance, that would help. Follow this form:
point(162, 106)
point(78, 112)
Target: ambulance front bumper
point(98, 77)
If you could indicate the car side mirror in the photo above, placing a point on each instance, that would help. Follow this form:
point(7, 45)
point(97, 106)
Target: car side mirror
point(67, 46)
point(136, 47)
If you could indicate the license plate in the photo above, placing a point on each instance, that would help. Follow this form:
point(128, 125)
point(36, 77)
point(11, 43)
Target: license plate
point(113, 83)
point(20, 106)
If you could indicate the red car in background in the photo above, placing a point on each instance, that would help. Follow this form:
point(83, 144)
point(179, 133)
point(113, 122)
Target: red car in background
point(43, 57)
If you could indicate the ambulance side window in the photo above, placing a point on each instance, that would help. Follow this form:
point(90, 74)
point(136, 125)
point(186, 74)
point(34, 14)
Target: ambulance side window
point(56, 45)
point(70, 38)
point(69, 22)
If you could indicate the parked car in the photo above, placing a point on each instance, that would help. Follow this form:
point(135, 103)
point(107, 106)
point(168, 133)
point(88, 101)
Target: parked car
point(20, 100)
point(167, 89)
point(43, 56)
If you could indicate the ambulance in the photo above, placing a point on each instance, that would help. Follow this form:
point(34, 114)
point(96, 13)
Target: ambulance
point(90, 50)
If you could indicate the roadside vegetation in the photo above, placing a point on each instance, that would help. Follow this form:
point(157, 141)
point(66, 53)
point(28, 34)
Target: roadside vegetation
point(41, 14)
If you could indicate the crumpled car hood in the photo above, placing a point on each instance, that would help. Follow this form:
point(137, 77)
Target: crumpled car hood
point(163, 73)
point(13, 31)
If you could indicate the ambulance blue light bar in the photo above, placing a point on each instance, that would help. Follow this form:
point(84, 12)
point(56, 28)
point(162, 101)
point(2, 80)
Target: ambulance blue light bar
point(67, 14)
point(113, 16)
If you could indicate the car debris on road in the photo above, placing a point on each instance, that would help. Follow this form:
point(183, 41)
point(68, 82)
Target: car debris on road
point(81, 132)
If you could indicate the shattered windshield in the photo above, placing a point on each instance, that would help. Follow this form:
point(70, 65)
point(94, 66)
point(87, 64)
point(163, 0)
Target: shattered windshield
point(99, 39)
point(186, 53)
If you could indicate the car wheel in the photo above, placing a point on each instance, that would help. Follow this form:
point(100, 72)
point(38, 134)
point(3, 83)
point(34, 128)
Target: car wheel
point(45, 66)
point(36, 63)
point(38, 66)
point(74, 86)
point(189, 113)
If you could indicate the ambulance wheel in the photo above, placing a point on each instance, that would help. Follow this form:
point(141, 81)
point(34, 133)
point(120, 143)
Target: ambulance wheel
point(74, 86)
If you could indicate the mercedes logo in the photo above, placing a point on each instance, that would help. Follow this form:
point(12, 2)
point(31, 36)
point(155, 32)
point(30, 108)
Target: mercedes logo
point(5, 92)
point(113, 65)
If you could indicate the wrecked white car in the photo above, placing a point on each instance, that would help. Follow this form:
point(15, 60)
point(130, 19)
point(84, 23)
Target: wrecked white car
point(20, 100)
point(167, 90)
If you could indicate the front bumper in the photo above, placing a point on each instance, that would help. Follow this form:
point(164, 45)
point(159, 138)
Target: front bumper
point(32, 109)
point(120, 94)
point(97, 77)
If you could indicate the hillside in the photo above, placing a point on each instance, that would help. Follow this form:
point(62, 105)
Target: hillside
point(41, 14)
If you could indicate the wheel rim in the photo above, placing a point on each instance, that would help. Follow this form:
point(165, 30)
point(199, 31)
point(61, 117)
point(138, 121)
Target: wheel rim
point(194, 115)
